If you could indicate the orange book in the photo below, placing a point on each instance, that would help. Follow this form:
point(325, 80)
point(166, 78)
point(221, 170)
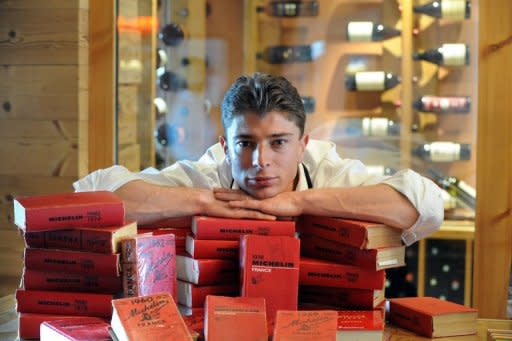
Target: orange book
point(432, 317)
point(360, 325)
point(317, 325)
point(86, 329)
point(148, 318)
point(341, 297)
point(235, 318)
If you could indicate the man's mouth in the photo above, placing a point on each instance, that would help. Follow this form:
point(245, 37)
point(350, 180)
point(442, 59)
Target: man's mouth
point(262, 181)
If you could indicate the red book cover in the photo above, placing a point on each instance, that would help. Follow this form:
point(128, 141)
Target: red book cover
point(89, 239)
point(67, 210)
point(175, 222)
point(65, 303)
point(428, 315)
point(269, 268)
point(360, 325)
point(63, 281)
point(331, 274)
point(235, 318)
point(212, 249)
point(361, 234)
point(191, 295)
point(377, 259)
point(341, 297)
point(152, 317)
point(231, 229)
point(319, 325)
point(180, 235)
point(86, 329)
point(29, 324)
point(76, 262)
point(149, 265)
point(206, 271)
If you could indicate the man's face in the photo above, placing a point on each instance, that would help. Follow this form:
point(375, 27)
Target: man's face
point(264, 153)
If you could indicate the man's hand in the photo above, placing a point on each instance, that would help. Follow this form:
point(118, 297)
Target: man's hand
point(286, 204)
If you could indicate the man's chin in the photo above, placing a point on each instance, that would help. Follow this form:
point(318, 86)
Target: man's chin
point(263, 193)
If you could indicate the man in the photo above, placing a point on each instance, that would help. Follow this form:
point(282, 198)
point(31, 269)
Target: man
point(265, 166)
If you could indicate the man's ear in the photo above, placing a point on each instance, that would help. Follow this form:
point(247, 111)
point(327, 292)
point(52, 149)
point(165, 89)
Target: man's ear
point(304, 142)
point(224, 144)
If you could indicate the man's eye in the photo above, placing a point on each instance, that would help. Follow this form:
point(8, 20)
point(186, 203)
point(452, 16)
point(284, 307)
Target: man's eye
point(279, 142)
point(244, 144)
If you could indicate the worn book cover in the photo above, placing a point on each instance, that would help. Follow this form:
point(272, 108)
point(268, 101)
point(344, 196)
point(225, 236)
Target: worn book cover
point(193, 296)
point(206, 271)
point(149, 265)
point(212, 249)
point(342, 298)
point(360, 325)
point(86, 329)
point(29, 324)
point(318, 325)
point(269, 268)
point(67, 210)
point(148, 318)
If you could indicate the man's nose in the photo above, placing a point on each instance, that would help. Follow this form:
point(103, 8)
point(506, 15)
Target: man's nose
point(261, 156)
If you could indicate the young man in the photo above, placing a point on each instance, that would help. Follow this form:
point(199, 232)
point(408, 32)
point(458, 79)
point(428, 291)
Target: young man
point(265, 166)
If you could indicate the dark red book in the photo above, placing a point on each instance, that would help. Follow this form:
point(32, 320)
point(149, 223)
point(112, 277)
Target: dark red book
point(63, 281)
point(235, 318)
point(212, 249)
point(195, 322)
point(191, 295)
point(29, 324)
point(318, 325)
point(270, 269)
point(206, 271)
point(67, 210)
point(153, 317)
point(149, 265)
point(86, 329)
point(175, 222)
point(65, 303)
point(75, 262)
point(341, 298)
point(432, 317)
point(231, 229)
point(89, 239)
point(330, 274)
point(377, 259)
point(360, 325)
point(361, 234)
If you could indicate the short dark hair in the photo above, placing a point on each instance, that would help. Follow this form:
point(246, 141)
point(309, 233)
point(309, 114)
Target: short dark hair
point(261, 93)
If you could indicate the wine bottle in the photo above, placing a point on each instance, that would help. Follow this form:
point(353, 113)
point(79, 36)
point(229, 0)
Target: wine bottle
point(172, 34)
point(285, 54)
point(309, 104)
point(446, 55)
point(366, 126)
point(446, 9)
point(371, 81)
point(161, 58)
point(167, 134)
point(160, 107)
point(369, 31)
point(380, 170)
point(442, 105)
point(170, 81)
point(443, 151)
point(290, 9)
point(455, 187)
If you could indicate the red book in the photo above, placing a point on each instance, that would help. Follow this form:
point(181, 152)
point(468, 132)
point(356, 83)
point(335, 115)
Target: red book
point(62, 281)
point(67, 210)
point(331, 274)
point(153, 317)
point(212, 249)
point(149, 265)
point(231, 229)
point(270, 269)
point(361, 234)
point(319, 325)
point(191, 295)
point(360, 325)
point(341, 297)
point(86, 329)
point(29, 324)
point(432, 317)
point(195, 322)
point(65, 303)
point(175, 222)
point(89, 239)
point(206, 271)
point(75, 262)
point(180, 234)
point(377, 259)
point(235, 318)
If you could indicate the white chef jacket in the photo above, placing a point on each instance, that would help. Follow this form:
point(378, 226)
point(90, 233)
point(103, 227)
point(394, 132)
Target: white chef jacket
point(325, 167)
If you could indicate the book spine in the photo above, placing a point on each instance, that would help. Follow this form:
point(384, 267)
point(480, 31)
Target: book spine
point(216, 271)
point(130, 280)
point(334, 230)
point(75, 262)
point(41, 280)
point(338, 297)
point(79, 240)
point(411, 319)
point(65, 303)
point(213, 249)
point(330, 274)
point(232, 229)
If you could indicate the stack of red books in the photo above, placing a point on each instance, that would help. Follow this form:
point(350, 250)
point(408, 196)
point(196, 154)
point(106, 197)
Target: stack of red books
point(72, 256)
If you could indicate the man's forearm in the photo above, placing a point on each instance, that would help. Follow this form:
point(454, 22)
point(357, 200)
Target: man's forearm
point(380, 203)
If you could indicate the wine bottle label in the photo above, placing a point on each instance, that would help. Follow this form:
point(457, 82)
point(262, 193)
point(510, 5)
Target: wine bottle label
point(444, 151)
point(376, 170)
point(467, 188)
point(370, 80)
point(454, 54)
point(375, 126)
point(444, 104)
point(161, 106)
point(289, 54)
point(453, 9)
point(360, 30)
point(449, 202)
